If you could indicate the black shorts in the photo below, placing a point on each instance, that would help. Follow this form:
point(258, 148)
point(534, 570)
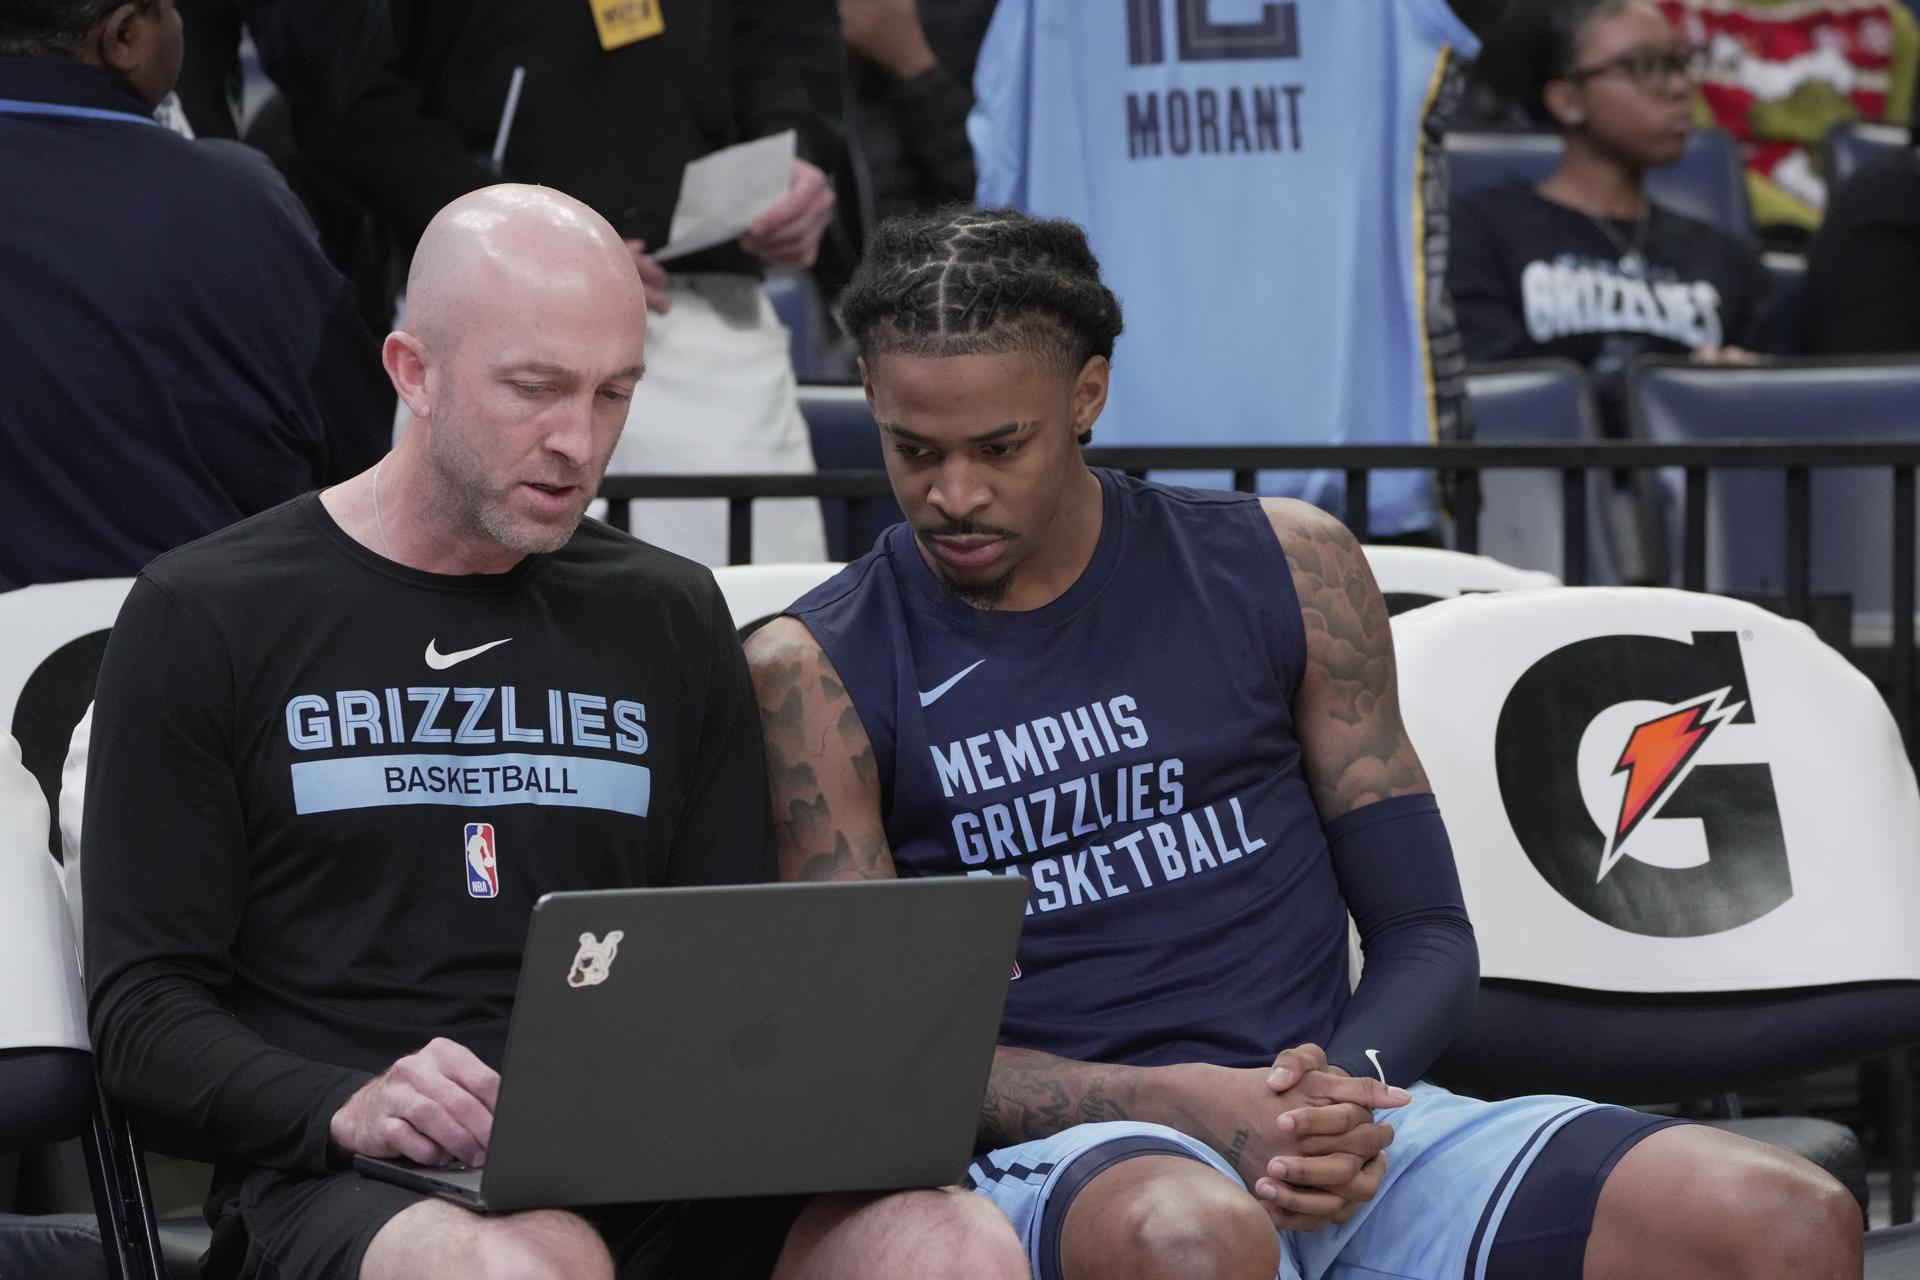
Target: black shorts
point(278, 1226)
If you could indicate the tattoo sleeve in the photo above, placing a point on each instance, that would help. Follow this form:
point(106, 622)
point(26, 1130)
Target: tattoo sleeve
point(1347, 710)
point(823, 788)
point(1034, 1095)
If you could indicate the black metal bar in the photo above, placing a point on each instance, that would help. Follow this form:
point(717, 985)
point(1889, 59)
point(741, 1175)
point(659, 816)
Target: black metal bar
point(620, 513)
point(1694, 574)
point(1243, 479)
point(1903, 602)
point(739, 530)
point(1799, 542)
point(1359, 503)
point(1900, 1135)
point(1613, 454)
point(129, 1231)
point(103, 1180)
point(1573, 527)
point(1466, 511)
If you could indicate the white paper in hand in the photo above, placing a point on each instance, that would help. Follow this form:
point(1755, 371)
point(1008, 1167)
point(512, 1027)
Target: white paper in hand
point(721, 194)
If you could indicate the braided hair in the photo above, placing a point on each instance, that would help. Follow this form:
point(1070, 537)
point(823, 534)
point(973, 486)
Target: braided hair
point(980, 282)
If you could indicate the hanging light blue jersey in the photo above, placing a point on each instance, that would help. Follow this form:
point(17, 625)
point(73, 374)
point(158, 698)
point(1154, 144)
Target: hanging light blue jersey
point(1264, 186)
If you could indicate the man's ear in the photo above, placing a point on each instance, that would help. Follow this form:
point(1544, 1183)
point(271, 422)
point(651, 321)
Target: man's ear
point(1089, 395)
point(120, 41)
point(405, 360)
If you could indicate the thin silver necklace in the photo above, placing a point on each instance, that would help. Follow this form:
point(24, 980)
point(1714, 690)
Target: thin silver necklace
point(379, 521)
point(1633, 258)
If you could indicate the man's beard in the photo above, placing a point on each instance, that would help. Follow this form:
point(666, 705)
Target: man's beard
point(473, 501)
point(981, 595)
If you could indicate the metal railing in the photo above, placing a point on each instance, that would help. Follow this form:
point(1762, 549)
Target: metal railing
point(1462, 464)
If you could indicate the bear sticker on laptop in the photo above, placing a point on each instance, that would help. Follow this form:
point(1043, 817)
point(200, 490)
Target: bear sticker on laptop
point(594, 960)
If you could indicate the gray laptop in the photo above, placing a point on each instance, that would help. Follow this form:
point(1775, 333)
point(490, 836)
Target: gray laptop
point(772, 1039)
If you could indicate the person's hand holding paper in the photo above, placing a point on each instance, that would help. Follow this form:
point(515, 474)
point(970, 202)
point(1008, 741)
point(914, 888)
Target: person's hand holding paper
point(788, 234)
point(734, 190)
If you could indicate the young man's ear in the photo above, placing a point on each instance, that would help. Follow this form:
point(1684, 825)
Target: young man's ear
point(1089, 396)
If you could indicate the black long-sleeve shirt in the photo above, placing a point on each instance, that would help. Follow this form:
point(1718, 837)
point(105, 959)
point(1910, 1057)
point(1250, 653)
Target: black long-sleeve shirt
point(175, 353)
point(614, 128)
point(285, 777)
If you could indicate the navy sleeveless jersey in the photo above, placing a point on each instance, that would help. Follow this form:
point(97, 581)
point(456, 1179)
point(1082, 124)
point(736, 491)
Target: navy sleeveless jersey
point(1129, 748)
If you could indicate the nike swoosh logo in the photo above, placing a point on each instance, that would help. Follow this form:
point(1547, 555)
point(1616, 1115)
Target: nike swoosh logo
point(441, 661)
point(934, 695)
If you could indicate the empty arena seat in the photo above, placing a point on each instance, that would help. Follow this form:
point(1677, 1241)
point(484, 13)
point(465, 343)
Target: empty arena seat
point(1707, 182)
point(47, 1089)
point(1860, 399)
point(1410, 577)
point(52, 637)
point(1533, 402)
point(845, 439)
point(1684, 828)
point(758, 592)
point(1852, 145)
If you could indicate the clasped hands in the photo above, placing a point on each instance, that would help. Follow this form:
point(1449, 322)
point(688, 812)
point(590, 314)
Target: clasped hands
point(1316, 1159)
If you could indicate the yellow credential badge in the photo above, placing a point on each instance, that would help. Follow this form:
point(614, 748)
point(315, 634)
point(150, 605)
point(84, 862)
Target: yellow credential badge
point(621, 22)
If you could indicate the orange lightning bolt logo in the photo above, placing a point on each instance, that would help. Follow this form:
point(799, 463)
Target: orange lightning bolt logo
point(1655, 756)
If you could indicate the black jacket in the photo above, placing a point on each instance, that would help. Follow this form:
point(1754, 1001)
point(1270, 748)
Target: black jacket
point(175, 353)
point(612, 128)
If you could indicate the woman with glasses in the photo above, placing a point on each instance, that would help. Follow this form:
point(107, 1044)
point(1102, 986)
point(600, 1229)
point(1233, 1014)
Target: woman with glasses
point(1584, 265)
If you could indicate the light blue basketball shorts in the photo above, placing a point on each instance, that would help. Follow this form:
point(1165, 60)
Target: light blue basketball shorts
point(1452, 1169)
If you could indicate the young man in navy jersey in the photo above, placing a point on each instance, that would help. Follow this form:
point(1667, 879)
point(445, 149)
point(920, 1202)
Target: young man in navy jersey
point(1175, 713)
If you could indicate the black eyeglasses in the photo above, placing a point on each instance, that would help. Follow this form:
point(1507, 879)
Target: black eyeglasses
point(1646, 70)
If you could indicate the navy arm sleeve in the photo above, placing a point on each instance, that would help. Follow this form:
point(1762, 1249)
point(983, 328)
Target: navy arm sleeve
point(165, 881)
point(1395, 869)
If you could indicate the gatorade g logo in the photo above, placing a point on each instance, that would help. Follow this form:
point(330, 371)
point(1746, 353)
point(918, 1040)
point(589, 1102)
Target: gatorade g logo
point(1274, 34)
point(1599, 741)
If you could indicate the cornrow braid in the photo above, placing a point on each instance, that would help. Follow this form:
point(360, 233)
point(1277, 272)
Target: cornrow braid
point(980, 282)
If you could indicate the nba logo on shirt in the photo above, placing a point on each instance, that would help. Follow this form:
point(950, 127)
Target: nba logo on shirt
point(483, 876)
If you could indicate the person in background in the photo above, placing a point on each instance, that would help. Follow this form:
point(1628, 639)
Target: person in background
point(1584, 265)
point(179, 353)
point(610, 107)
point(1862, 291)
point(911, 67)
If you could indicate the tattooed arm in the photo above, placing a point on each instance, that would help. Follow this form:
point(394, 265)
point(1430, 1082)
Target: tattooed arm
point(825, 794)
point(1388, 845)
point(821, 779)
point(1347, 710)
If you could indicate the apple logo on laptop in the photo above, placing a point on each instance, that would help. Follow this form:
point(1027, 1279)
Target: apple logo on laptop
point(757, 1044)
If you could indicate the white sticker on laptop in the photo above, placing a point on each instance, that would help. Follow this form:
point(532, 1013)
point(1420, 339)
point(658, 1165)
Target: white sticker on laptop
point(594, 960)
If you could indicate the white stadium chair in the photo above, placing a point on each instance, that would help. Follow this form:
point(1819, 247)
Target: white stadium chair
point(1413, 576)
point(1686, 832)
point(758, 592)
